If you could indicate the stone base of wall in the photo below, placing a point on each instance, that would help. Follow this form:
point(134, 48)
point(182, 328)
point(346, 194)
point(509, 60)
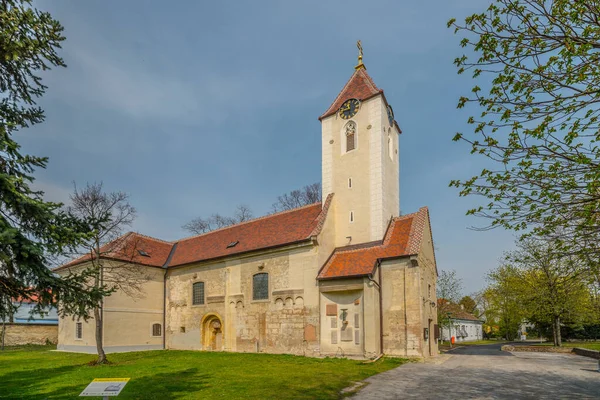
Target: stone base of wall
point(20, 334)
point(107, 349)
point(587, 353)
point(549, 349)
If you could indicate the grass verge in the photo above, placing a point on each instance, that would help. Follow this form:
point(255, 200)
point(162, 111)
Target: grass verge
point(585, 345)
point(36, 372)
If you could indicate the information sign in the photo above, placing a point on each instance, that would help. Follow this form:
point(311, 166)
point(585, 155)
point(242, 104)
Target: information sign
point(105, 387)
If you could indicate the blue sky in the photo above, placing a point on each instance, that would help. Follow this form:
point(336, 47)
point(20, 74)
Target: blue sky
point(193, 107)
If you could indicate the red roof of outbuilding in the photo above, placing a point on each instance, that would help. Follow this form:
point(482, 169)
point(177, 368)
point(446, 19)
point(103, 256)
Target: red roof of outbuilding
point(403, 238)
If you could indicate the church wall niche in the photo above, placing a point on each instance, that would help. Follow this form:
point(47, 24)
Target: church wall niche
point(340, 302)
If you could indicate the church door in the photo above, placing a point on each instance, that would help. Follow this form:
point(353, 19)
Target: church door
point(212, 333)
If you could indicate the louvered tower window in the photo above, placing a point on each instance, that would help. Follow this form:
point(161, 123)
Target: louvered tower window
point(350, 136)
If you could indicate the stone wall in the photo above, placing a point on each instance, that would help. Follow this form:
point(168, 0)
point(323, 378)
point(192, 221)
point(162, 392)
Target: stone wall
point(20, 334)
point(537, 349)
point(587, 353)
point(229, 319)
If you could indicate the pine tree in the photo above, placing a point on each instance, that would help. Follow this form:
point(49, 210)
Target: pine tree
point(31, 229)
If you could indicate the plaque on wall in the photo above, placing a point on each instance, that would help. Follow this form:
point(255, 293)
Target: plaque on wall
point(347, 334)
point(331, 309)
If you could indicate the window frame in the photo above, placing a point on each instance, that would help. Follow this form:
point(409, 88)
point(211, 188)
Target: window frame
point(203, 303)
point(159, 327)
point(254, 299)
point(78, 330)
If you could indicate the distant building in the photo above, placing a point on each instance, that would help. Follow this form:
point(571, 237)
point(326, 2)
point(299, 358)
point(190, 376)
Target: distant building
point(463, 326)
point(25, 314)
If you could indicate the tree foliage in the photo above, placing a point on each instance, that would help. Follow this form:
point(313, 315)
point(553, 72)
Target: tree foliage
point(537, 286)
point(309, 194)
point(468, 304)
point(537, 72)
point(216, 221)
point(503, 299)
point(31, 229)
point(449, 289)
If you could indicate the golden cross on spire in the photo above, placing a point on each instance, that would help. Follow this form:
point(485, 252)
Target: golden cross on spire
point(360, 56)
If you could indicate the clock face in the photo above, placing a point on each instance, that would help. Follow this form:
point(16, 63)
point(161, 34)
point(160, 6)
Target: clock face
point(349, 108)
point(390, 113)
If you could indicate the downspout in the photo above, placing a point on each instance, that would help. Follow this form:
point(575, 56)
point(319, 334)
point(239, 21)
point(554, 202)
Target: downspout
point(405, 317)
point(166, 268)
point(380, 313)
point(165, 309)
point(370, 277)
point(102, 308)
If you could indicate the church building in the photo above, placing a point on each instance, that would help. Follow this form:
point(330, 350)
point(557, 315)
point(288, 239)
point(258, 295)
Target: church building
point(348, 276)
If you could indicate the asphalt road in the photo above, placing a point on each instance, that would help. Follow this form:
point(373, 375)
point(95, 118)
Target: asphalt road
point(486, 372)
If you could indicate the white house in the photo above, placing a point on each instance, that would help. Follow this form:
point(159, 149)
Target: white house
point(463, 326)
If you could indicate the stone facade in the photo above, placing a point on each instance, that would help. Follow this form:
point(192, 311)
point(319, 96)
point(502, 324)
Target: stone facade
point(20, 334)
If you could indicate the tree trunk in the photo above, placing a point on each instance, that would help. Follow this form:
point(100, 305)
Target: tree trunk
point(3, 333)
point(556, 328)
point(101, 355)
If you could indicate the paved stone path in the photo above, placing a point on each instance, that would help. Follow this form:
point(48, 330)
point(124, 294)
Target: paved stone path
point(485, 372)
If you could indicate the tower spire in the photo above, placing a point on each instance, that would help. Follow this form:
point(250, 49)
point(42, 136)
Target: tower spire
point(360, 56)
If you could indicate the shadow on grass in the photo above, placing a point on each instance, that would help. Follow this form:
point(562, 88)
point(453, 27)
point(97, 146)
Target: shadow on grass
point(19, 384)
point(163, 386)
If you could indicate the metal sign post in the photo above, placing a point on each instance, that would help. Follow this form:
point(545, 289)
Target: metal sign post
point(105, 387)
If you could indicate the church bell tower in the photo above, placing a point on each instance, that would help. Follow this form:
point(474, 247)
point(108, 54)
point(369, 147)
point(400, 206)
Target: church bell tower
point(360, 160)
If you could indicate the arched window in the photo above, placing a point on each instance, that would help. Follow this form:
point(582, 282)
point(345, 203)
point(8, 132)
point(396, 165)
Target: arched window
point(390, 147)
point(156, 330)
point(260, 286)
point(198, 293)
point(350, 132)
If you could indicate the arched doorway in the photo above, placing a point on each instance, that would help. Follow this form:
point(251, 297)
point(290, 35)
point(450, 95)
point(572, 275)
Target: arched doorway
point(212, 333)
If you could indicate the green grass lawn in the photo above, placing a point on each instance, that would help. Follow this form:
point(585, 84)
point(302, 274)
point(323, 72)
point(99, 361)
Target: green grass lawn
point(36, 372)
point(585, 345)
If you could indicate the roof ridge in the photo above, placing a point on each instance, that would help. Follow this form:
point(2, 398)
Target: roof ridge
point(152, 238)
point(341, 91)
point(416, 237)
point(322, 215)
point(368, 77)
point(247, 222)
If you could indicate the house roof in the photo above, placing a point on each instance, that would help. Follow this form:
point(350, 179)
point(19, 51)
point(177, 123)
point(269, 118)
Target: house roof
point(273, 230)
point(456, 311)
point(360, 86)
point(403, 238)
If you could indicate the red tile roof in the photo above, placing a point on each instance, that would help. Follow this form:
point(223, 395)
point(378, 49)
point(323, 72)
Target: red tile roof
point(403, 238)
point(127, 249)
point(273, 230)
point(360, 86)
